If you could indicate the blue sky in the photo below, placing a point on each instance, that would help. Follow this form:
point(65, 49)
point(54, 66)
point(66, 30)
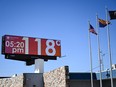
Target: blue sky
point(65, 20)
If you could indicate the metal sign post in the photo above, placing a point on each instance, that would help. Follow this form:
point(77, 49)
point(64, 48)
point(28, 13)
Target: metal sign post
point(39, 65)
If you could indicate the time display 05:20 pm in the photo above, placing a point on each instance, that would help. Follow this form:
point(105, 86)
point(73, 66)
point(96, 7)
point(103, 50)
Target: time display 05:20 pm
point(16, 46)
point(31, 46)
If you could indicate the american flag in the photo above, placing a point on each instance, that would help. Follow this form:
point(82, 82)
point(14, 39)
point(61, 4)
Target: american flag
point(92, 30)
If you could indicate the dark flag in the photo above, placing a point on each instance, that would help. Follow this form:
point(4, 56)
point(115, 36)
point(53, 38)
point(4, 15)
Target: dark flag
point(103, 23)
point(92, 30)
point(112, 15)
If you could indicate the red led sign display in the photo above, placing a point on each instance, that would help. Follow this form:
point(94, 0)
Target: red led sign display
point(31, 46)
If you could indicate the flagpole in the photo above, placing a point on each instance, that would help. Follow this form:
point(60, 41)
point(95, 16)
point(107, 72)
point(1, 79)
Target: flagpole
point(109, 49)
point(99, 57)
point(90, 51)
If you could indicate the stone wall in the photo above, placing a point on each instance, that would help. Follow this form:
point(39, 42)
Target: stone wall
point(12, 82)
point(57, 78)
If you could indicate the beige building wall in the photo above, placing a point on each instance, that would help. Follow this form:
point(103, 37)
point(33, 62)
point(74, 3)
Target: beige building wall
point(12, 82)
point(57, 78)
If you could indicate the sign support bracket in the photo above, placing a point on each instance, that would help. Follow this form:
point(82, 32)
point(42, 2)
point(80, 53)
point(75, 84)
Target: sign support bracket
point(39, 65)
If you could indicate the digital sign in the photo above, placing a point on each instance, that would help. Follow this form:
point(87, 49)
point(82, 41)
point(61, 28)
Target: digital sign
point(30, 46)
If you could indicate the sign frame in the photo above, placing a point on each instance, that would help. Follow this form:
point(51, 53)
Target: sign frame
point(49, 45)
